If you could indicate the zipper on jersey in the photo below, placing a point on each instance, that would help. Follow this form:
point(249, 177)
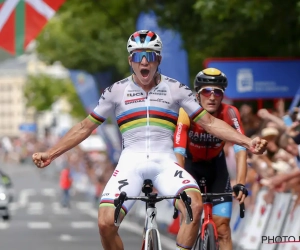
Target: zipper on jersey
point(147, 103)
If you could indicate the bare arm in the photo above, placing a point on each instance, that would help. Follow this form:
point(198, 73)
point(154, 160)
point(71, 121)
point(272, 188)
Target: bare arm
point(265, 115)
point(241, 167)
point(223, 131)
point(180, 159)
point(75, 135)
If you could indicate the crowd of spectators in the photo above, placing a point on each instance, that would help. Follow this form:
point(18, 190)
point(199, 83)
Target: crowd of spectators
point(277, 170)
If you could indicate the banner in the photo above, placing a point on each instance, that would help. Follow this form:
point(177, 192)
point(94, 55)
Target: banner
point(86, 89)
point(22, 20)
point(174, 59)
point(253, 78)
point(89, 94)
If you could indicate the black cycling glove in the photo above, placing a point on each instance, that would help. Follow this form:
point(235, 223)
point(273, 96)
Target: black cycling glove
point(240, 187)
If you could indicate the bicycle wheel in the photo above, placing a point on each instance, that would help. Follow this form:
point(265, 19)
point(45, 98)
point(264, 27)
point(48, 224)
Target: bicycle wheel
point(153, 240)
point(209, 242)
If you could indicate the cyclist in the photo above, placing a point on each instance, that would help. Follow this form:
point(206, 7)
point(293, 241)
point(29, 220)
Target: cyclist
point(146, 105)
point(202, 154)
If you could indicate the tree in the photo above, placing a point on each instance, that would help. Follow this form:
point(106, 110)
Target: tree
point(92, 35)
point(42, 91)
point(233, 28)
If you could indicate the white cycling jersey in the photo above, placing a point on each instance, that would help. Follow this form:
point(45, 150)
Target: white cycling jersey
point(147, 121)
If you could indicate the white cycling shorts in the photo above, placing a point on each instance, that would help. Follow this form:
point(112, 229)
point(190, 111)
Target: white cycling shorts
point(133, 168)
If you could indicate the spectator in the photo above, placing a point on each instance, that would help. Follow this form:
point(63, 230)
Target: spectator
point(65, 185)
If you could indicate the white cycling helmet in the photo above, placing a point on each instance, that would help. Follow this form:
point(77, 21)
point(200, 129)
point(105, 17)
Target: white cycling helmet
point(144, 39)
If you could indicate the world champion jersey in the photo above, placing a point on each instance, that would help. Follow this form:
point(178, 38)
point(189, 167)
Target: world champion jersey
point(192, 140)
point(147, 121)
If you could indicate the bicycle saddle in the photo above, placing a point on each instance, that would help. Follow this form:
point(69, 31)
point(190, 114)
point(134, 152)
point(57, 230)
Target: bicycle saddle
point(147, 187)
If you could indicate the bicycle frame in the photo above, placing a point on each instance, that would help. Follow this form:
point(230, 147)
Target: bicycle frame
point(150, 221)
point(207, 210)
point(151, 224)
point(208, 218)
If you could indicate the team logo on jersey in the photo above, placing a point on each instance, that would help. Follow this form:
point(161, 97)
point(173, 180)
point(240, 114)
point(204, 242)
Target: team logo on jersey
point(236, 124)
point(134, 94)
point(122, 81)
point(203, 137)
point(181, 85)
point(142, 99)
point(159, 100)
point(158, 92)
point(179, 130)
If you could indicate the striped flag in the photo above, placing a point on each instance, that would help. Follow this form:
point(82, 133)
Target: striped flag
point(22, 20)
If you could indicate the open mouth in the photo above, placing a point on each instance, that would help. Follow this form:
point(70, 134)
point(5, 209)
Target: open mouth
point(145, 72)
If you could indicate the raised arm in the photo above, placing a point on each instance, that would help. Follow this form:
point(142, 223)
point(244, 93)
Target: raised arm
point(181, 136)
point(79, 132)
point(222, 130)
point(214, 126)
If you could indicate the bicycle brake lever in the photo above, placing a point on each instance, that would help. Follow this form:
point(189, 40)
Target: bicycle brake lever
point(175, 215)
point(187, 202)
point(242, 210)
point(118, 202)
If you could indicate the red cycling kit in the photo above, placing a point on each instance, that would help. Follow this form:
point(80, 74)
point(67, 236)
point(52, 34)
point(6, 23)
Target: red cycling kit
point(205, 159)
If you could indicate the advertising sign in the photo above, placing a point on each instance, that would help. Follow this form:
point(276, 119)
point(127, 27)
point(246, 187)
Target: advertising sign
point(261, 78)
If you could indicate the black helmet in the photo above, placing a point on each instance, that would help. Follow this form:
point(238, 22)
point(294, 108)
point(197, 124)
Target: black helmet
point(210, 76)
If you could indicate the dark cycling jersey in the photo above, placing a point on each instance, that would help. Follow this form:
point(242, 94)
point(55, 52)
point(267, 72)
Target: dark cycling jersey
point(205, 158)
point(199, 144)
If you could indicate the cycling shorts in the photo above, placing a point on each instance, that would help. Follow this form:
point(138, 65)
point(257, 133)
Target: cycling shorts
point(133, 168)
point(216, 177)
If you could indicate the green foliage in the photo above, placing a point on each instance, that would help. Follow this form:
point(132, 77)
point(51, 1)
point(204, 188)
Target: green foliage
point(92, 35)
point(42, 91)
point(89, 35)
point(234, 28)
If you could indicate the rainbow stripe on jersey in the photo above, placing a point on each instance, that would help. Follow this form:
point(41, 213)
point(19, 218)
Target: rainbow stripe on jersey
point(137, 117)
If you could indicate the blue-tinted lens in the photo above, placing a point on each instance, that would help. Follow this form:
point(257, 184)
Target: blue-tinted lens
point(151, 56)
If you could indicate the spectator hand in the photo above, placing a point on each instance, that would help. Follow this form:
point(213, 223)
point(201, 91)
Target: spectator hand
point(291, 131)
point(258, 146)
point(275, 183)
point(41, 159)
point(263, 113)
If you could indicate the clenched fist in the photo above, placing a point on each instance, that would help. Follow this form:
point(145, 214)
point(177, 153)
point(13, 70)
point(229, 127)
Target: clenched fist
point(258, 146)
point(41, 159)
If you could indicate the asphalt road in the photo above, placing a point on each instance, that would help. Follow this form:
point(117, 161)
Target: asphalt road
point(38, 221)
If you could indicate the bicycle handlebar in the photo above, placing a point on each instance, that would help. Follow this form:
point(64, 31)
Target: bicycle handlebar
point(242, 205)
point(152, 198)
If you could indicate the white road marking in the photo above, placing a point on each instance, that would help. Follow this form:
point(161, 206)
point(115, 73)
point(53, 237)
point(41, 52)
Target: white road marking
point(136, 228)
point(4, 225)
point(49, 192)
point(24, 194)
point(13, 206)
point(35, 208)
point(39, 225)
point(84, 205)
point(58, 209)
point(83, 224)
point(66, 237)
point(36, 205)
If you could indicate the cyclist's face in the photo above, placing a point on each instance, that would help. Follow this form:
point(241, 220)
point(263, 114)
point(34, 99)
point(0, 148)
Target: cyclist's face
point(144, 64)
point(210, 98)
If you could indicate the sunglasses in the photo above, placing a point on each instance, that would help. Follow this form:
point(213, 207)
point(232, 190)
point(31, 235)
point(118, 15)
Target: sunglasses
point(208, 91)
point(151, 56)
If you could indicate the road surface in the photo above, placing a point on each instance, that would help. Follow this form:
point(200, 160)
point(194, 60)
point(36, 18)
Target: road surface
point(39, 222)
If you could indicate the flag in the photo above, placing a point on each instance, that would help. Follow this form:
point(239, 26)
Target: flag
point(22, 20)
